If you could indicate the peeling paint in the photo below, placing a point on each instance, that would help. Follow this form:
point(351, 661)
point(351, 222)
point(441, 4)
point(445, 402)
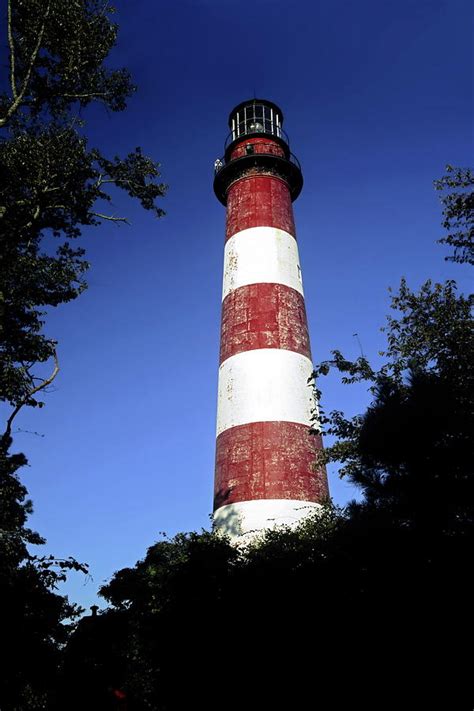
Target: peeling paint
point(243, 521)
point(259, 145)
point(268, 460)
point(264, 316)
point(261, 255)
point(265, 454)
point(264, 384)
point(259, 200)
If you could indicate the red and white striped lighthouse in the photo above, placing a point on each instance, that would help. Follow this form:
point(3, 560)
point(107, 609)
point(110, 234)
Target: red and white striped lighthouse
point(265, 454)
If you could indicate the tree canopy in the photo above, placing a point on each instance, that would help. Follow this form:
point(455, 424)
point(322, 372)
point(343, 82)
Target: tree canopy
point(457, 188)
point(364, 603)
point(54, 186)
point(56, 183)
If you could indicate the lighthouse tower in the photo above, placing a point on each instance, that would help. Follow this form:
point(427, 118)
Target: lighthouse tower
point(266, 471)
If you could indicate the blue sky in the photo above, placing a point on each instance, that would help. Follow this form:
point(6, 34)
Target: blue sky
point(377, 98)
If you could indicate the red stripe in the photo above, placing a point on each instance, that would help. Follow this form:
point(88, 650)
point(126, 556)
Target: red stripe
point(268, 460)
point(264, 316)
point(260, 145)
point(259, 201)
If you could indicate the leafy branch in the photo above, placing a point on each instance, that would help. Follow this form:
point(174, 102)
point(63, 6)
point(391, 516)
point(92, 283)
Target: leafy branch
point(457, 187)
point(29, 400)
point(18, 98)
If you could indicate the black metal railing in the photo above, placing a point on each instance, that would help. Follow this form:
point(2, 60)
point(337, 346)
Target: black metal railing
point(221, 162)
point(247, 131)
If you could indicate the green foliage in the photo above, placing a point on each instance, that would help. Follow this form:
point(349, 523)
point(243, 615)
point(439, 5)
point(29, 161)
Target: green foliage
point(54, 185)
point(197, 614)
point(361, 593)
point(57, 54)
point(157, 627)
point(429, 357)
point(34, 619)
point(55, 182)
point(94, 663)
point(14, 511)
point(458, 210)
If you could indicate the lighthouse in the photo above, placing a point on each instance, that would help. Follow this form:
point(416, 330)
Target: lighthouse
point(266, 455)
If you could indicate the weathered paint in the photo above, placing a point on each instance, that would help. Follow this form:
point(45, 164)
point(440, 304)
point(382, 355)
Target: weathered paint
point(246, 519)
point(259, 200)
point(268, 460)
point(259, 145)
point(263, 316)
point(265, 453)
point(264, 385)
point(261, 254)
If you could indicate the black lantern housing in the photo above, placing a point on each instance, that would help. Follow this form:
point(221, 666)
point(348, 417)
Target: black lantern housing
point(244, 154)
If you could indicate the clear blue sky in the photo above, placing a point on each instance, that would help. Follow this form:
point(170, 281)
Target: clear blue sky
point(377, 98)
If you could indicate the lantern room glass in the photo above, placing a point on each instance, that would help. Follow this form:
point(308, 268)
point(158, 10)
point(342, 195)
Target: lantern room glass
point(256, 118)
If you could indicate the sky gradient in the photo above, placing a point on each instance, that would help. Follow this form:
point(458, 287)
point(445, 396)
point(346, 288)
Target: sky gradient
point(377, 98)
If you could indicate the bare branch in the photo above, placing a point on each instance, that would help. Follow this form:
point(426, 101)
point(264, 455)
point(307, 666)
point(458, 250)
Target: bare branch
point(19, 98)
point(110, 217)
point(51, 190)
point(6, 435)
point(20, 431)
point(88, 95)
point(102, 181)
point(12, 51)
point(34, 217)
point(116, 181)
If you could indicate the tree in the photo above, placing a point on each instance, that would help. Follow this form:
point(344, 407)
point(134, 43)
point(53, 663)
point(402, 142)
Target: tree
point(55, 183)
point(34, 619)
point(54, 186)
point(165, 611)
point(374, 599)
point(458, 201)
point(410, 454)
point(95, 663)
point(418, 429)
point(204, 616)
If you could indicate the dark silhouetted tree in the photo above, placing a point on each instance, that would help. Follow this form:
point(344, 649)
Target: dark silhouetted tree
point(34, 619)
point(372, 602)
point(410, 455)
point(54, 184)
point(457, 187)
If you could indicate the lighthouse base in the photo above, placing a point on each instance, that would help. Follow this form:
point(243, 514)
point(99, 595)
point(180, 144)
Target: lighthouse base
point(245, 520)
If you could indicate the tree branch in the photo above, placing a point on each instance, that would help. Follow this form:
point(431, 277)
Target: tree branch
point(19, 98)
point(117, 181)
point(34, 217)
point(6, 435)
point(88, 95)
point(110, 217)
point(12, 51)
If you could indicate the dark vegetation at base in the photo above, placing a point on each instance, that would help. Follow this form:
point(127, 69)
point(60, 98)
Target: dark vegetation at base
point(371, 602)
point(369, 605)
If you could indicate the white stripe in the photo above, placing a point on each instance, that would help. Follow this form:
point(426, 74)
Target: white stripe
point(261, 255)
point(247, 518)
point(264, 385)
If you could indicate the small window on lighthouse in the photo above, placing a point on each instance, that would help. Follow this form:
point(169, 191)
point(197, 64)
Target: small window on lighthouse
point(299, 272)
